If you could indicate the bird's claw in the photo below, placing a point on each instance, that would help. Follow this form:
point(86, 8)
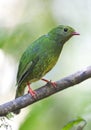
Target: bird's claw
point(53, 84)
point(50, 82)
point(32, 93)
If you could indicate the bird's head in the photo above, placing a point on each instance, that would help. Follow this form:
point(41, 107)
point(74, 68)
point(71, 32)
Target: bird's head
point(62, 33)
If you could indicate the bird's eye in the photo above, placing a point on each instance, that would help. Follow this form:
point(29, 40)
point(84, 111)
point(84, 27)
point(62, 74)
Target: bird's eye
point(65, 29)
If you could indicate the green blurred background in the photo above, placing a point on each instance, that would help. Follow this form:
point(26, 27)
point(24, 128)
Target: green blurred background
point(23, 21)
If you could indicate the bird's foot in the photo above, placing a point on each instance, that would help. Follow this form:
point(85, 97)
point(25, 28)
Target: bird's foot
point(32, 92)
point(52, 83)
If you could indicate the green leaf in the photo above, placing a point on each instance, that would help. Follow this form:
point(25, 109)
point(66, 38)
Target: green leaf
point(9, 116)
point(80, 122)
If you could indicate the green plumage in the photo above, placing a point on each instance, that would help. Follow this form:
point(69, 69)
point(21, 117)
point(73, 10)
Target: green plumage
point(41, 56)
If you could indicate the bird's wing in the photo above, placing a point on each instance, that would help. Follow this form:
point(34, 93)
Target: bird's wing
point(30, 58)
point(27, 62)
point(27, 70)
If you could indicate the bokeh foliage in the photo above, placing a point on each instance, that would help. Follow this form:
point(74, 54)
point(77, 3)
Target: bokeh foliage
point(53, 113)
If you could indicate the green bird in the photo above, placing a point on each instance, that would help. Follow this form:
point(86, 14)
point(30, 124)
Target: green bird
point(40, 57)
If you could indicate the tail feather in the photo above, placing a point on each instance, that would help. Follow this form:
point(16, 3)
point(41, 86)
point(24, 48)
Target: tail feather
point(19, 93)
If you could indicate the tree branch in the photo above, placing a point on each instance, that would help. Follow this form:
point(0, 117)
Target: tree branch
point(45, 91)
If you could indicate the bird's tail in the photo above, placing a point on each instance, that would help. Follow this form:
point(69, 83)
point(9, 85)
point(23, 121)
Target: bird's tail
point(19, 93)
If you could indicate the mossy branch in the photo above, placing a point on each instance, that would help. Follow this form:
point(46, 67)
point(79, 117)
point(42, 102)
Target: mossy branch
point(45, 91)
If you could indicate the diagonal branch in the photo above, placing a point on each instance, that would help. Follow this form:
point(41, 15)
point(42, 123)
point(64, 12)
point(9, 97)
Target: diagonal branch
point(45, 91)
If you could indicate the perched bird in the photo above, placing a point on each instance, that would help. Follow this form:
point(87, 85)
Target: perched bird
point(40, 57)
